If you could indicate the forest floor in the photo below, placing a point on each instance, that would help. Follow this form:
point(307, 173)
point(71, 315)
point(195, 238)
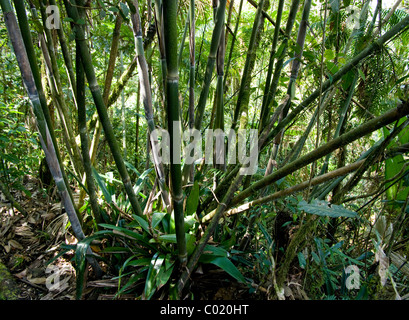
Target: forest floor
point(29, 243)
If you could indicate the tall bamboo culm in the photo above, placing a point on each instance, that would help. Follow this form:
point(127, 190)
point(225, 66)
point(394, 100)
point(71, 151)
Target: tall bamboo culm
point(173, 112)
point(101, 108)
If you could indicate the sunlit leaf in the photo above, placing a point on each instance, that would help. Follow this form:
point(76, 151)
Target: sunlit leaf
point(323, 208)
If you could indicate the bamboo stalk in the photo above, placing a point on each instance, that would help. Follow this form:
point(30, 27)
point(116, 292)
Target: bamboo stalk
point(66, 55)
point(107, 85)
point(146, 94)
point(244, 93)
point(172, 105)
point(101, 108)
point(280, 62)
point(220, 157)
point(188, 170)
point(214, 44)
point(211, 61)
point(57, 93)
point(82, 128)
point(233, 41)
point(266, 96)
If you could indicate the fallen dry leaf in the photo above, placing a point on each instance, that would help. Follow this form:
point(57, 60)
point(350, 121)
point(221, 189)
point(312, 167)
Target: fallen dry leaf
point(15, 244)
point(37, 280)
point(383, 260)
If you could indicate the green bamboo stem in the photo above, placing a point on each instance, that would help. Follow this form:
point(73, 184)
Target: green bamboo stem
point(266, 96)
point(280, 62)
point(107, 85)
point(121, 83)
point(138, 96)
point(182, 43)
point(146, 95)
point(172, 105)
point(211, 61)
point(57, 92)
point(342, 119)
point(301, 142)
point(159, 30)
point(59, 102)
point(233, 41)
point(331, 186)
point(66, 55)
point(214, 44)
point(192, 79)
point(188, 170)
point(219, 103)
point(82, 128)
point(244, 93)
point(371, 159)
point(101, 108)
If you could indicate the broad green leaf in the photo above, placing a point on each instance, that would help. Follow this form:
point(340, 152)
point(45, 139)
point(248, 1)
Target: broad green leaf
point(288, 61)
point(102, 186)
point(124, 10)
point(126, 233)
point(193, 199)
point(280, 50)
point(134, 277)
point(335, 5)
point(266, 234)
point(142, 222)
point(115, 250)
point(113, 9)
point(301, 260)
point(228, 266)
point(80, 264)
point(362, 75)
point(214, 251)
point(329, 54)
point(141, 180)
point(131, 167)
point(154, 268)
point(165, 271)
point(190, 240)
point(157, 218)
point(392, 168)
point(189, 222)
point(332, 67)
point(323, 208)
